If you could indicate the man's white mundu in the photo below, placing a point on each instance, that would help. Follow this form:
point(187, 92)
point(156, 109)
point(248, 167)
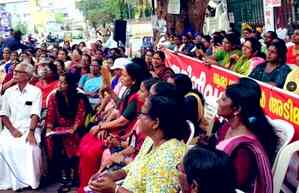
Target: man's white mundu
point(20, 161)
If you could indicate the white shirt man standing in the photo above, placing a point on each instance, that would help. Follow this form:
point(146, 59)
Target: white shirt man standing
point(20, 155)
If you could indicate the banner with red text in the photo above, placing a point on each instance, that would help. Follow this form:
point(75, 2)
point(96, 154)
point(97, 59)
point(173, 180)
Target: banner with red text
point(212, 80)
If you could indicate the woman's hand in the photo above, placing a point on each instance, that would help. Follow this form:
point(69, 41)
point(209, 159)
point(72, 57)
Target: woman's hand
point(117, 157)
point(94, 130)
point(102, 135)
point(104, 184)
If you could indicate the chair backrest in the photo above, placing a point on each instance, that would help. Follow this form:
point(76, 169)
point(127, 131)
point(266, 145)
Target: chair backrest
point(239, 191)
point(210, 111)
point(282, 165)
point(285, 132)
point(192, 131)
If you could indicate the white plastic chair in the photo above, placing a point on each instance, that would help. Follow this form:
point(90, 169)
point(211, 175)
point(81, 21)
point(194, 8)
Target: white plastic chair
point(192, 131)
point(210, 111)
point(239, 191)
point(283, 161)
point(285, 132)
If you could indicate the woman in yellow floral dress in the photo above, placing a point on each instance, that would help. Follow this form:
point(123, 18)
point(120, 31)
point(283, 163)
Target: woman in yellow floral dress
point(154, 168)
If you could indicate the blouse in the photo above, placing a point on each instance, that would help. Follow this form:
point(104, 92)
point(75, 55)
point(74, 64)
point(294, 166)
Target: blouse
point(278, 75)
point(154, 170)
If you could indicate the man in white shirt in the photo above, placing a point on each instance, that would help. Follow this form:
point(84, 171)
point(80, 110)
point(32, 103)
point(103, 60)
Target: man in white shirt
point(20, 155)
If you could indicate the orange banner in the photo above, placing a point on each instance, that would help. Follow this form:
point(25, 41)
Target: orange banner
point(212, 80)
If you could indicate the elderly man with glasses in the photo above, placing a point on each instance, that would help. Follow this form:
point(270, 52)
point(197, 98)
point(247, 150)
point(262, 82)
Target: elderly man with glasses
point(20, 155)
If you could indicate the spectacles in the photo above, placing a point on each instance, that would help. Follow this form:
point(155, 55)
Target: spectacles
point(142, 114)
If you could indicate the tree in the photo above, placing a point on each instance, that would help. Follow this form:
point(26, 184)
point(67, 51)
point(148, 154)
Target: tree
point(104, 11)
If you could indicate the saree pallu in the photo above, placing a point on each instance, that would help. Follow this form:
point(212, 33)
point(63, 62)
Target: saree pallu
point(263, 182)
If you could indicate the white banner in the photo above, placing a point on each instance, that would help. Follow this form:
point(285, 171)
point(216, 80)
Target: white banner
point(174, 7)
point(268, 16)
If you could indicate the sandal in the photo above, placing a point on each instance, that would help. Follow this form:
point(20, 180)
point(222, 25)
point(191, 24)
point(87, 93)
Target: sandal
point(63, 189)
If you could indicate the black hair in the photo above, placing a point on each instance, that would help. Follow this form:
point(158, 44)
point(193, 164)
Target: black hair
point(234, 39)
point(65, 53)
point(142, 64)
point(211, 169)
point(255, 45)
point(165, 89)
point(253, 117)
point(166, 110)
point(84, 44)
point(69, 108)
point(149, 83)
point(99, 62)
point(53, 68)
point(135, 72)
point(281, 48)
point(183, 84)
point(253, 85)
point(179, 37)
point(161, 55)
point(207, 38)
point(272, 34)
point(217, 39)
point(78, 50)
point(75, 46)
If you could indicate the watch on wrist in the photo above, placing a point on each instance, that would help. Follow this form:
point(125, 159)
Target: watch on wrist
point(32, 130)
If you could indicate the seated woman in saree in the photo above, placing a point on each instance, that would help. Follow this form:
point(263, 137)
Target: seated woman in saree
point(154, 168)
point(251, 57)
point(92, 144)
point(92, 82)
point(228, 54)
point(64, 122)
point(123, 150)
point(250, 140)
point(274, 71)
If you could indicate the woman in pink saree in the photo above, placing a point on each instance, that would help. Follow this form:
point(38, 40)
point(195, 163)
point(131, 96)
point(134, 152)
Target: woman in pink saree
point(250, 140)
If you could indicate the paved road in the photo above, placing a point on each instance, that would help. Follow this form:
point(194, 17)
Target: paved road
point(48, 189)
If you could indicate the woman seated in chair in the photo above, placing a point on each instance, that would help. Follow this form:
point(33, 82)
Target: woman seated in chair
point(92, 144)
point(65, 116)
point(123, 150)
point(193, 102)
point(92, 82)
point(250, 140)
point(154, 168)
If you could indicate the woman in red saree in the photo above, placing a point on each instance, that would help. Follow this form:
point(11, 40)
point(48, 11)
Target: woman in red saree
point(92, 144)
point(65, 116)
point(250, 140)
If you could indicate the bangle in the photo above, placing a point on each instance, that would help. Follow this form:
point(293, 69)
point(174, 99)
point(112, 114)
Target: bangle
point(116, 188)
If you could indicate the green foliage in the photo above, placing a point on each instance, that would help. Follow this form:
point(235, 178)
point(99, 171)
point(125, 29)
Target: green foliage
point(21, 27)
point(106, 11)
point(100, 11)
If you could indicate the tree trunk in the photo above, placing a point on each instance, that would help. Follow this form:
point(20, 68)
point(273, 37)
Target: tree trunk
point(192, 15)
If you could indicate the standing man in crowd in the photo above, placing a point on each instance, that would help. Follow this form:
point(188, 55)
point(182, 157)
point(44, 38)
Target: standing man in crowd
point(20, 155)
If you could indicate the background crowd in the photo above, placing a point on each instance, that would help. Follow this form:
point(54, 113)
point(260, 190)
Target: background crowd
point(88, 116)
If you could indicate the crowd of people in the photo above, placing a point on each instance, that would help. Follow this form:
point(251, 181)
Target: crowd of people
point(264, 57)
point(91, 117)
